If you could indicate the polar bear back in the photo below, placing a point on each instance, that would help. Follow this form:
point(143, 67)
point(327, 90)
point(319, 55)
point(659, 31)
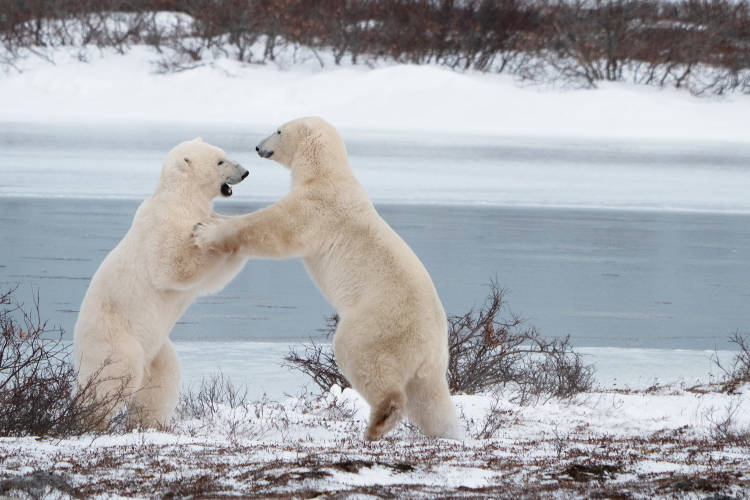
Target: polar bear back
point(363, 259)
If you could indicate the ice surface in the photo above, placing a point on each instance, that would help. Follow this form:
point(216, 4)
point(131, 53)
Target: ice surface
point(124, 160)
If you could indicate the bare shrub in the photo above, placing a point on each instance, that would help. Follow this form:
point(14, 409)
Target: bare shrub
point(738, 372)
point(488, 349)
point(219, 405)
point(213, 393)
point(492, 347)
point(724, 428)
point(497, 418)
point(317, 360)
point(559, 442)
point(694, 44)
point(39, 393)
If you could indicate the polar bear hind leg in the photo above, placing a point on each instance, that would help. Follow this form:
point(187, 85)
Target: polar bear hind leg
point(385, 414)
point(111, 374)
point(375, 376)
point(154, 401)
point(429, 405)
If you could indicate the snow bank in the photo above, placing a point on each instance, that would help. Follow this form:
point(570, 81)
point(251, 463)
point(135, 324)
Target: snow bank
point(109, 87)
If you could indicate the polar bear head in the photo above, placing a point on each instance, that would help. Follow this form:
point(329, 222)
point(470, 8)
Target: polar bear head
point(196, 165)
point(302, 142)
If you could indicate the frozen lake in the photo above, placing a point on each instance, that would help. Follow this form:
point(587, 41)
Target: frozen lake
point(123, 161)
point(608, 278)
point(638, 247)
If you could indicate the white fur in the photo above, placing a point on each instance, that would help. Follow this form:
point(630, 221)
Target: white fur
point(147, 281)
point(391, 341)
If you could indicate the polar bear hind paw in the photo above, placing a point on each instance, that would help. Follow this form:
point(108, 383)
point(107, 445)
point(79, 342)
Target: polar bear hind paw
point(385, 416)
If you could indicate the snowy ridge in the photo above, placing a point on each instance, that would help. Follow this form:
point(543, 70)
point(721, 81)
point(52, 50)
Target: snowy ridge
point(102, 86)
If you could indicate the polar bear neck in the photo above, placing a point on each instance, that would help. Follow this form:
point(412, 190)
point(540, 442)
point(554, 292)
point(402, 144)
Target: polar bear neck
point(187, 196)
point(320, 160)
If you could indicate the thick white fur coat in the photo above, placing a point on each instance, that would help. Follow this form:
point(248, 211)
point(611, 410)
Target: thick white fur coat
point(147, 282)
point(391, 340)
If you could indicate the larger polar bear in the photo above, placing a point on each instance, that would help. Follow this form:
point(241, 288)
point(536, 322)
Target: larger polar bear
point(391, 341)
point(147, 281)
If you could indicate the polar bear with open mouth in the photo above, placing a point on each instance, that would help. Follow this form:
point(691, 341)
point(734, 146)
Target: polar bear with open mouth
point(147, 282)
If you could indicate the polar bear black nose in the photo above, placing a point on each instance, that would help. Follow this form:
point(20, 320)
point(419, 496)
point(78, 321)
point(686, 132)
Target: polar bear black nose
point(257, 149)
point(245, 174)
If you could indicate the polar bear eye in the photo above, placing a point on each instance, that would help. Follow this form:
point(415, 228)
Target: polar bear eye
point(221, 162)
point(278, 132)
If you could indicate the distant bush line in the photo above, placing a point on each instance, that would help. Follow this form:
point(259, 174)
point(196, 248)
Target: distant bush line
point(700, 45)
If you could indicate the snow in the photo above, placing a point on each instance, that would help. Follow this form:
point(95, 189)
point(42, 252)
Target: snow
point(417, 134)
point(257, 366)
point(654, 438)
point(646, 443)
point(106, 87)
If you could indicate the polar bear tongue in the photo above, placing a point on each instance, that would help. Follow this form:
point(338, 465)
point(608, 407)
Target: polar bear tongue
point(226, 190)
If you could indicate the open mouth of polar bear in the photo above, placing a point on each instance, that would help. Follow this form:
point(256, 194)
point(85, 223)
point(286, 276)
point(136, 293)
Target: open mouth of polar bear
point(237, 176)
point(226, 189)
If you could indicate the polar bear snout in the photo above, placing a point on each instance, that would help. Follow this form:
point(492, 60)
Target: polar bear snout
point(263, 153)
point(237, 174)
point(234, 173)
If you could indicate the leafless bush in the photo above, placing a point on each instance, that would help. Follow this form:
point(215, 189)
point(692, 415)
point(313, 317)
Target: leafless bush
point(488, 349)
point(724, 428)
point(738, 372)
point(219, 405)
point(497, 417)
point(39, 393)
point(698, 45)
point(695, 44)
point(317, 361)
point(492, 347)
point(213, 393)
point(560, 442)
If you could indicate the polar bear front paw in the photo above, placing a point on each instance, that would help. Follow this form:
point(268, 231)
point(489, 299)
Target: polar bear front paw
point(207, 236)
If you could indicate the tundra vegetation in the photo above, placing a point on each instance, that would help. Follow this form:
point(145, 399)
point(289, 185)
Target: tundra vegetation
point(530, 430)
point(699, 45)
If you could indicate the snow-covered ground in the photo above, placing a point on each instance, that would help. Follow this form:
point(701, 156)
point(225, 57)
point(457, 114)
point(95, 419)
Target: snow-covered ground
point(113, 88)
point(667, 442)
